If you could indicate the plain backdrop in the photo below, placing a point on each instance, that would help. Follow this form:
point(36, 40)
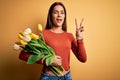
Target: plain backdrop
point(101, 37)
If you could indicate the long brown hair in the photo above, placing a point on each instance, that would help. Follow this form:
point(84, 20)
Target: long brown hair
point(49, 23)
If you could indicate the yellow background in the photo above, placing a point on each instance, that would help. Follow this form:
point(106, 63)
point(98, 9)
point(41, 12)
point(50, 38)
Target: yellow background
point(101, 37)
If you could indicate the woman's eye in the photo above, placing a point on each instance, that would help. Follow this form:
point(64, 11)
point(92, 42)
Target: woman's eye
point(62, 12)
point(55, 12)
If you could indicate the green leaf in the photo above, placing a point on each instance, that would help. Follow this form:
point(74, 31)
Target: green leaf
point(41, 36)
point(34, 58)
point(54, 70)
point(49, 60)
point(60, 68)
point(33, 49)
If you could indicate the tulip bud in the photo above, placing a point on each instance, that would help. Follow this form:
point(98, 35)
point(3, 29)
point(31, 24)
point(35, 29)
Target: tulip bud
point(39, 27)
point(27, 31)
point(23, 42)
point(16, 47)
point(34, 36)
point(27, 38)
point(20, 36)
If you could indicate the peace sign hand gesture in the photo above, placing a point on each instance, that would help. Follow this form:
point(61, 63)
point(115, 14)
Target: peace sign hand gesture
point(79, 29)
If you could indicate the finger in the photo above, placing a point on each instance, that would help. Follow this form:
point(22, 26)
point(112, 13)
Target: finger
point(76, 23)
point(58, 62)
point(81, 29)
point(58, 57)
point(81, 23)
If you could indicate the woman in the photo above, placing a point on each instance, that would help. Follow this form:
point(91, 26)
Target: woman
point(56, 36)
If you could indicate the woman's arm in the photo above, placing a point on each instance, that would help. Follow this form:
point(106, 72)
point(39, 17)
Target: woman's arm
point(78, 46)
point(79, 50)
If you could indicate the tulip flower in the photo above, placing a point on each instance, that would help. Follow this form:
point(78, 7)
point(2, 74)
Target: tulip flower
point(39, 27)
point(20, 36)
point(23, 42)
point(16, 47)
point(34, 36)
point(27, 38)
point(27, 31)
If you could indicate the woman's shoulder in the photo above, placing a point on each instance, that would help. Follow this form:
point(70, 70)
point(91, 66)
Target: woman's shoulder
point(69, 34)
point(44, 30)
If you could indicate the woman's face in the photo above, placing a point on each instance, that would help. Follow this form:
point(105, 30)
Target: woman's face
point(58, 16)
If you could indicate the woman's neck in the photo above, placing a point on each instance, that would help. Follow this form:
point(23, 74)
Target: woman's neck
point(57, 30)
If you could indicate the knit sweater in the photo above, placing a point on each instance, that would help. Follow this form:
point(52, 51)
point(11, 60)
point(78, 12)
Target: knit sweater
point(62, 43)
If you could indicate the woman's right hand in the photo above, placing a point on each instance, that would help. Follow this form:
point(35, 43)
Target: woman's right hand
point(79, 29)
point(57, 61)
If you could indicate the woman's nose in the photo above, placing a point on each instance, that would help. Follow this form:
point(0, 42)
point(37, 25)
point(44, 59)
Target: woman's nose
point(59, 14)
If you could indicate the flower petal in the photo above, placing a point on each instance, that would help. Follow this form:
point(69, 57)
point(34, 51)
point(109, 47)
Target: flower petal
point(16, 47)
point(27, 38)
point(27, 31)
point(39, 27)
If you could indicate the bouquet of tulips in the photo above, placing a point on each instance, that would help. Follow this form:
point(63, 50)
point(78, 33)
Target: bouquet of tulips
point(35, 45)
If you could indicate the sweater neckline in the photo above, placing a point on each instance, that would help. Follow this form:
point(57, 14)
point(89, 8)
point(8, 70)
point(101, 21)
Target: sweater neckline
point(55, 33)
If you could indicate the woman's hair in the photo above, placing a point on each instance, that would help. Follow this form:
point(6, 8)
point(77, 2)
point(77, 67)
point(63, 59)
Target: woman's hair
point(49, 23)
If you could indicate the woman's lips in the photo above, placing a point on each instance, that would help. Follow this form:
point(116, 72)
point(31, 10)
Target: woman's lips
point(59, 20)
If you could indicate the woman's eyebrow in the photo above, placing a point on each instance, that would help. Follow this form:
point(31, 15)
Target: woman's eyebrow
point(57, 10)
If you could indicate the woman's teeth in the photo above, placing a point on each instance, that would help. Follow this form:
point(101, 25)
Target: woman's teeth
point(59, 20)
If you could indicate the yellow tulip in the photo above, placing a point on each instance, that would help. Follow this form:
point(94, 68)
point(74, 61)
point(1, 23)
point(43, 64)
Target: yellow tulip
point(23, 42)
point(39, 27)
point(18, 43)
point(34, 36)
point(20, 36)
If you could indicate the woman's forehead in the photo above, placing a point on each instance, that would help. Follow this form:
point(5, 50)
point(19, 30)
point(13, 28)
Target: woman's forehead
point(58, 7)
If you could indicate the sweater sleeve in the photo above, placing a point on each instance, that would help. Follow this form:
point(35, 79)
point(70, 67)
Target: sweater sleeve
point(25, 55)
point(79, 49)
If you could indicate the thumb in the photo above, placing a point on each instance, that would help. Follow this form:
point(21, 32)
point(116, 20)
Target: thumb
point(58, 57)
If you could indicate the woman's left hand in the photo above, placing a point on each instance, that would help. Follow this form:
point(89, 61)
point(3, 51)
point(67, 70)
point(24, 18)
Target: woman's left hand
point(79, 29)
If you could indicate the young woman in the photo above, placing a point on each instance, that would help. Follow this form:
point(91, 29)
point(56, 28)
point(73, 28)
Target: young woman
point(56, 36)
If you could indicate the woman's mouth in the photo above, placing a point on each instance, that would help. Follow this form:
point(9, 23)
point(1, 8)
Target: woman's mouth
point(59, 20)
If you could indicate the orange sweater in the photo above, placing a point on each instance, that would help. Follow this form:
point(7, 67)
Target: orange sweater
point(62, 43)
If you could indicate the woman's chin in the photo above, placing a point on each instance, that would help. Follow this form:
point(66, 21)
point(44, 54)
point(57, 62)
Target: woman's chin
point(58, 25)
